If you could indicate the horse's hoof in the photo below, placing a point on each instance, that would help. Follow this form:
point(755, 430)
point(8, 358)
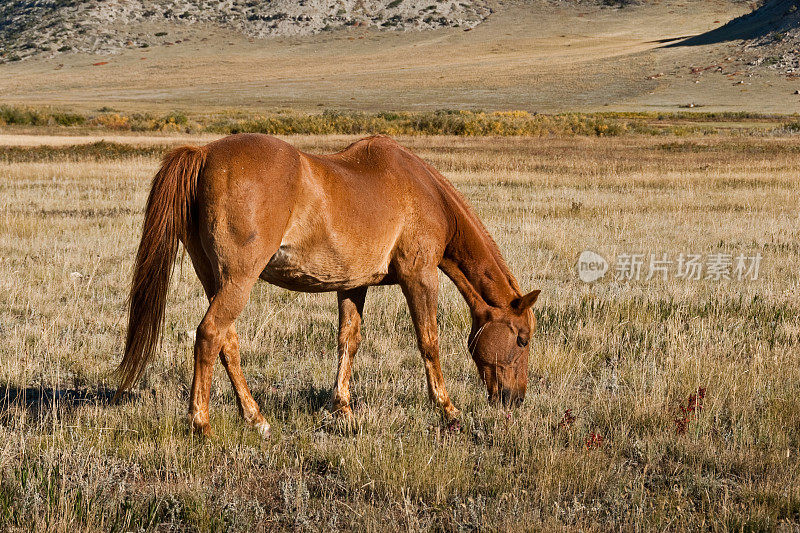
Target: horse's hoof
point(203, 431)
point(452, 414)
point(343, 412)
point(454, 426)
point(199, 426)
point(345, 419)
point(263, 429)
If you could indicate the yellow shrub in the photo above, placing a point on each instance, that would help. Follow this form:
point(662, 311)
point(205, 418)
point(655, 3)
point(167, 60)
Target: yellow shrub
point(113, 122)
point(516, 113)
point(171, 126)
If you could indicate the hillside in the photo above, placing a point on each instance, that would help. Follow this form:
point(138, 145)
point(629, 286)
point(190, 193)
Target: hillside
point(51, 27)
point(774, 39)
point(533, 55)
point(767, 37)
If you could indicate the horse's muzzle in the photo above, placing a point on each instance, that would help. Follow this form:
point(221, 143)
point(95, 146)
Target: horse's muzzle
point(507, 397)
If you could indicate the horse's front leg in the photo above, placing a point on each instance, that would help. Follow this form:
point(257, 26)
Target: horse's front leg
point(421, 292)
point(351, 307)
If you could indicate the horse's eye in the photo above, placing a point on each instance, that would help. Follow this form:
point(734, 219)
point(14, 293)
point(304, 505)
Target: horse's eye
point(522, 342)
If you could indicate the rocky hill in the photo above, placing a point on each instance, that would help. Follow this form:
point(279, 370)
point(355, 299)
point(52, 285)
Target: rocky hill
point(775, 39)
point(768, 37)
point(50, 27)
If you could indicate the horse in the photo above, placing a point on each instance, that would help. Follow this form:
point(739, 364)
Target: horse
point(250, 206)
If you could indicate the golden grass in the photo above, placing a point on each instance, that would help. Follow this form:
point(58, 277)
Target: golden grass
point(622, 357)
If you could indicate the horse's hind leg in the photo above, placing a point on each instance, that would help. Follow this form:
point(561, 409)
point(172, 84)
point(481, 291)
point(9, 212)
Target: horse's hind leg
point(248, 407)
point(351, 308)
point(229, 354)
point(226, 304)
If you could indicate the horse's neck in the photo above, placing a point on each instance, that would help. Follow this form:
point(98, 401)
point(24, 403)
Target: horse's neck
point(475, 265)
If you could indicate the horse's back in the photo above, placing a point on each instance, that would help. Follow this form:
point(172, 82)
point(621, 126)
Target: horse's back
point(397, 173)
point(382, 173)
point(316, 223)
point(346, 222)
point(398, 195)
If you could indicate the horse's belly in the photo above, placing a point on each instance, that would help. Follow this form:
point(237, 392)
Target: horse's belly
point(321, 270)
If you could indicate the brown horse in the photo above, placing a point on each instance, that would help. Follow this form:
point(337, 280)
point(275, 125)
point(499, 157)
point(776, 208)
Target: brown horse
point(251, 206)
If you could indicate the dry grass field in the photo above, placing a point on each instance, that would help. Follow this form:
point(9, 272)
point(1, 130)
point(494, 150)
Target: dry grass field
point(598, 445)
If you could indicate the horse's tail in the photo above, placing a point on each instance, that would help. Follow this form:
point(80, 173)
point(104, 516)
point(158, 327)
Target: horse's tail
point(167, 219)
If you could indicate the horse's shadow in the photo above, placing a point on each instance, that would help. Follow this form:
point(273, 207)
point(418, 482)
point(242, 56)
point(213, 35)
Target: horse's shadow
point(41, 400)
point(304, 398)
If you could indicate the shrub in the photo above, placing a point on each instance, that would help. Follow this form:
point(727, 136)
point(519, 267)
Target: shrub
point(24, 116)
point(113, 121)
point(68, 119)
point(439, 122)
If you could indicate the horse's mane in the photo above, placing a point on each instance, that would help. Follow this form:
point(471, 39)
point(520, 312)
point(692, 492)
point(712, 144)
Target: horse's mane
point(458, 199)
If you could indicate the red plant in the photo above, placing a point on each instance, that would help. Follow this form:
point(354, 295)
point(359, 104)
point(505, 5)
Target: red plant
point(595, 440)
point(693, 405)
point(567, 420)
point(454, 426)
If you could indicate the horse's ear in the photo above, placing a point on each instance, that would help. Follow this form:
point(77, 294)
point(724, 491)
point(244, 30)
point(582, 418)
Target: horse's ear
point(521, 304)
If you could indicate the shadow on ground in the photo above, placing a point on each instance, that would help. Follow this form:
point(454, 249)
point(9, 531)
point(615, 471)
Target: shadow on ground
point(39, 400)
point(765, 20)
point(287, 398)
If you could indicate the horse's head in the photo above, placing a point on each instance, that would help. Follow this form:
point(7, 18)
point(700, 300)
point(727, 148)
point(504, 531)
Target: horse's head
point(498, 343)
